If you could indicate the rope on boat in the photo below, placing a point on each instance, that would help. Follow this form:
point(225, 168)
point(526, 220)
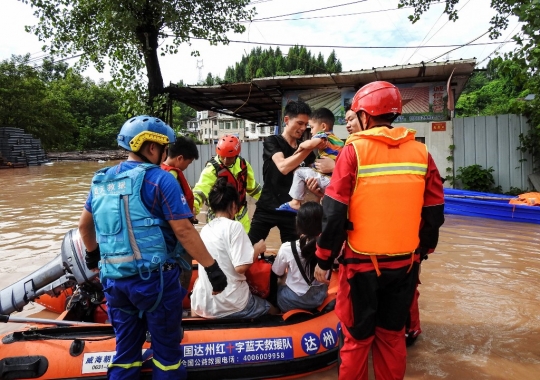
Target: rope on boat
point(481, 197)
point(8, 318)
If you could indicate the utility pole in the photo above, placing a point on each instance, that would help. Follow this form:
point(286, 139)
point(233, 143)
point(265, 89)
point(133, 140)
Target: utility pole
point(200, 67)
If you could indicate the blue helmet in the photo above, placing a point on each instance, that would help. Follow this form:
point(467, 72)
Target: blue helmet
point(143, 128)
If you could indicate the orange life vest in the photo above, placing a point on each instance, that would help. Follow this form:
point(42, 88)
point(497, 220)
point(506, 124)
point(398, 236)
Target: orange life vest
point(183, 184)
point(239, 181)
point(526, 199)
point(386, 204)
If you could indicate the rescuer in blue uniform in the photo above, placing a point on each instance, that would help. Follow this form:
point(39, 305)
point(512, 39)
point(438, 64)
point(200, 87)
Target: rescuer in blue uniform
point(134, 229)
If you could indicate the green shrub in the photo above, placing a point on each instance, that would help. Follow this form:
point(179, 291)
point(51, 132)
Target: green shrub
point(476, 178)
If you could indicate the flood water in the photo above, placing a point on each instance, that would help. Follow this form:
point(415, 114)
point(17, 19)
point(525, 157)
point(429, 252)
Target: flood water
point(479, 303)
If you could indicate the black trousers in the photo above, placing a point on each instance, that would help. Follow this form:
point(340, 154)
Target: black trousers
point(264, 220)
point(382, 301)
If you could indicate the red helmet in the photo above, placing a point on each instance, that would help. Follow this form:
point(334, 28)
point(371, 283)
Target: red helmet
point(377, 98)
point(228, 146)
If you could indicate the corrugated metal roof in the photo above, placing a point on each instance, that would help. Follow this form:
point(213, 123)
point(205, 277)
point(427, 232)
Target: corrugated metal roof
point(260, 99)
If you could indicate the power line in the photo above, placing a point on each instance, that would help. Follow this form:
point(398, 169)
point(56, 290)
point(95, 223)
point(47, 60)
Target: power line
point(311, 10)
point(359, 47)
point(331, 16)
point(64, 59)
point(259, 1)
point(500, 46)
point(470, 43)
point(438, 30)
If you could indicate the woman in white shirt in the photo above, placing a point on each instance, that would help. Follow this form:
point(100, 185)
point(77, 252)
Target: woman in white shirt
point(227, 241)
point(301, 290)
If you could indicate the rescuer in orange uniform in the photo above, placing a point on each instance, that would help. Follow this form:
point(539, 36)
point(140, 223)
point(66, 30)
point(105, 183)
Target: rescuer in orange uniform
point(386, 199)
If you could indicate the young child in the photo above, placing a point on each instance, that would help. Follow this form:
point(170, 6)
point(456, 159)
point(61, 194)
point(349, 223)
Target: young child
point(230, 246)
point(321, 122)
point(181, 155)
point(297, 260)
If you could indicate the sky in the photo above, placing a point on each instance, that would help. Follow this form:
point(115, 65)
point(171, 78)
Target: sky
point(353, 30)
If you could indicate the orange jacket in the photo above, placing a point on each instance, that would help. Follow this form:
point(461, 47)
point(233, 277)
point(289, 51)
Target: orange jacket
point(390, 185)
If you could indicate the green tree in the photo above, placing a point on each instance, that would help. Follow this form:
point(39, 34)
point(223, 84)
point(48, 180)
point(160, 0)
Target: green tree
point(26, 103)
point(496, 90)
point(263, 63)
point(127, 34)
point(59, 106)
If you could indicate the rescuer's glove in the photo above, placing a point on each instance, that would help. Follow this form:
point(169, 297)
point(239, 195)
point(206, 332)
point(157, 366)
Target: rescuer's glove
point(217, 277)
point(92, 258)
point(423, 252)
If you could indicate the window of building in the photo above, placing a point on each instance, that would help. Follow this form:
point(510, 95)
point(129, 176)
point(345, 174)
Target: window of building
point(215, 121)
point(235, 124)
point(215, 132)
point(247, 129)
point(228, 125)
point(253, 128)
point(221, 126)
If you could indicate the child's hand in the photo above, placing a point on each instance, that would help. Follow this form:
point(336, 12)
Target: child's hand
point(259, 247)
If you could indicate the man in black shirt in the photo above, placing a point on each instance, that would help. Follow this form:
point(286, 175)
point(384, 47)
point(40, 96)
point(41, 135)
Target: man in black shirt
point(282, 154)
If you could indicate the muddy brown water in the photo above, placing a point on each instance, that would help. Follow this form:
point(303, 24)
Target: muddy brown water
point(479, 303)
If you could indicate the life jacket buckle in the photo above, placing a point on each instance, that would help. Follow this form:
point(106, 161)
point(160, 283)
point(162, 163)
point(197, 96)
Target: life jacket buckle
point(144, 266)
point(148, 222)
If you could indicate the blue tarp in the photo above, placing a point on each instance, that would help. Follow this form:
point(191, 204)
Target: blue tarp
point(488, 205)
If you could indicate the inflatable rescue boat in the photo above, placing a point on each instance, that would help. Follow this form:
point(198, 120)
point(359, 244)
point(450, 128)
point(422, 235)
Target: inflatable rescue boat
point(81, 344)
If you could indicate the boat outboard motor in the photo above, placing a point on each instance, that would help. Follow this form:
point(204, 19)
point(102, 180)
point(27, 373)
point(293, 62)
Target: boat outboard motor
point(64, 271)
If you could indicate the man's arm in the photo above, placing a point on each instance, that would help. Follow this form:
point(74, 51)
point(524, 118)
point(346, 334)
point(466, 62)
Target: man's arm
point(253, 188)
point(433, 210)
point(287, 165)
point(335, 207)
point(87, 230)
point(202, 188)
point(190, 239)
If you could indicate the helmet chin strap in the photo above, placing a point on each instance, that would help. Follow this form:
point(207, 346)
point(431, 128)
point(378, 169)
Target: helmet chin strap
point(368, 117)
point(145, 159)
point(361, 123)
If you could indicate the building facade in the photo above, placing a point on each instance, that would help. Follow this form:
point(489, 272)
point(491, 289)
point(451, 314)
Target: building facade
point(209, 126)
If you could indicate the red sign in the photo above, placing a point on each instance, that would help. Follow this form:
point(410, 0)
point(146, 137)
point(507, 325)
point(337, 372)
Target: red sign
point(438, 127)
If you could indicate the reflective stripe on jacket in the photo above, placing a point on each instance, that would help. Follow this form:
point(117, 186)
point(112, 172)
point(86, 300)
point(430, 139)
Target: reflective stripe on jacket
point(238, 180)
point(386, 205)
point(209, 176)
point(129, 236)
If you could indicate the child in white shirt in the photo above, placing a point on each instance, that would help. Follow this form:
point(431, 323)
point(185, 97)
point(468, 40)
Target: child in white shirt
point(301, 290)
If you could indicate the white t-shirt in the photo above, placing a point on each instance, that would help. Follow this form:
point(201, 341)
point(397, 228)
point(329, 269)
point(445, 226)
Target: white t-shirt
point(229, 244)
point(285, 261)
